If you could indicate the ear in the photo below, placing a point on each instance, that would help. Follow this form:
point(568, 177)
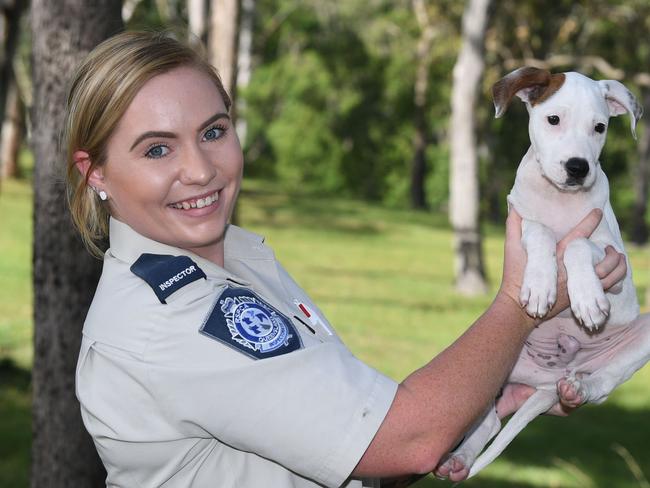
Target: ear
point(94, 176)
point(532, 85)
point(621, 100)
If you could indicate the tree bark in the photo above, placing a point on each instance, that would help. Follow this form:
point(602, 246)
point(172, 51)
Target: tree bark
point(638, 225)
point(421, 137)
point(464, 184)
point(65, 275)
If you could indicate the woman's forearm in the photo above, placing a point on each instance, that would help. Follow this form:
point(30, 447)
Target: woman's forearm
point(437, 403)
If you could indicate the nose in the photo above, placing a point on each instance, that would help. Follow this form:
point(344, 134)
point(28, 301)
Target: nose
point(577, 168)
point(197, 167)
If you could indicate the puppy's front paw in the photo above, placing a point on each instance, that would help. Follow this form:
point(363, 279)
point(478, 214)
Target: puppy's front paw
point(538, 291)
point(589, 304)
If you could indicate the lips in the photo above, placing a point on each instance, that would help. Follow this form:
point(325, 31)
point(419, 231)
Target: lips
point(205, 201)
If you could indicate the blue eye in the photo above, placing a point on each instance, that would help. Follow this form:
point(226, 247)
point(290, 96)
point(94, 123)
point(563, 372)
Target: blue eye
point(157, 151)
point(213, 133)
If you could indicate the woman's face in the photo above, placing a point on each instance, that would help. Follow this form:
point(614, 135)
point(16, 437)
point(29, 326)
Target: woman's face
point(174, 163)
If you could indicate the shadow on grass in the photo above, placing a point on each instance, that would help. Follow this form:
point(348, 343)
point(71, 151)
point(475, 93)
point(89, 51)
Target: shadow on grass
point(15, 424)
point(582, 442)
point(330, 213)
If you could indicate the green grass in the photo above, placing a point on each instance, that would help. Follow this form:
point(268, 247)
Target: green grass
point(383, 278)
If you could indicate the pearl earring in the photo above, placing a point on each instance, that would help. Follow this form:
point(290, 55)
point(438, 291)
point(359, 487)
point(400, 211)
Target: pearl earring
point(102, 195)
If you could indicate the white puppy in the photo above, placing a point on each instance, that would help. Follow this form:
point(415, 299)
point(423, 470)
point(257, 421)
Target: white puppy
point(589, 350)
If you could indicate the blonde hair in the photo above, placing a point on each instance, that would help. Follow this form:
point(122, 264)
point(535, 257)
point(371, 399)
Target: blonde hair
point(101, 90)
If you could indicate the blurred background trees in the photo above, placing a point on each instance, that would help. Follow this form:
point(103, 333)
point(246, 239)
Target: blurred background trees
point(355, 97)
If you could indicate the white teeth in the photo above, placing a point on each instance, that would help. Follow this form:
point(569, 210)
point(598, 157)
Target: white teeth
point(200, 203)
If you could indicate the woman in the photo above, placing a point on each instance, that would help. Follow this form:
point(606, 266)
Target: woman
point(202, 362)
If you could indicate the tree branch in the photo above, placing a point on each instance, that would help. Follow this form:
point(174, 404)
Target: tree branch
point(583, 63)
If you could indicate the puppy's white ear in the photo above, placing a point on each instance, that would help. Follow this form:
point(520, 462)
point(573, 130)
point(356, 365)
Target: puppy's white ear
point(532, 85)
point(621, 100)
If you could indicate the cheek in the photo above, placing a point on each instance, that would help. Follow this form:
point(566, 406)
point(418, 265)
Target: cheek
point(139, 184)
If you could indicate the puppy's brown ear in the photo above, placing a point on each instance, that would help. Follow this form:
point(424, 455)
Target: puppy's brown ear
point(532, 85)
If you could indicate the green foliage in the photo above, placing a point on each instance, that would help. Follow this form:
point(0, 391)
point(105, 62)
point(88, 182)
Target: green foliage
point(330, 104)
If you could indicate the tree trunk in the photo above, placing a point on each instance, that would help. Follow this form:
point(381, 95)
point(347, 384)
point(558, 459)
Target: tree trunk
point(223, 45)
point(638, 225)
point(223, 41)
point(464, 184)
point(197, 11)
point(12, 14)
point(9, 32)
point(421, 137)
point(65, 275)
point(244, 61)
point(12, 132)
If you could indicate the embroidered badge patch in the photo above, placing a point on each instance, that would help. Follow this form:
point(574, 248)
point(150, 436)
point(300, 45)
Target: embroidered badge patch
point(166, 274)
point(242, 320)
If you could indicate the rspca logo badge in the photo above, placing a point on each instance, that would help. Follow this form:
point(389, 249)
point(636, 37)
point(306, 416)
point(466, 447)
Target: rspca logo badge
point(241, 319)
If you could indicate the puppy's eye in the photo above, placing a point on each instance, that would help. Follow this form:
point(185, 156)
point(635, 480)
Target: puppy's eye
point(553, 119)
point(600, 128)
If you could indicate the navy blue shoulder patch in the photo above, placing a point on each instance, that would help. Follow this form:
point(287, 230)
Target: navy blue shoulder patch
point(242, 320)
point(166, 274)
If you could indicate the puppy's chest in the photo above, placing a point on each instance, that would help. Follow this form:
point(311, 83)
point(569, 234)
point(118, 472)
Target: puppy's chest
point(557, 212)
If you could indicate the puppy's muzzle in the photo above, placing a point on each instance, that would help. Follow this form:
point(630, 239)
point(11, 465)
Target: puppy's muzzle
point(576, 170)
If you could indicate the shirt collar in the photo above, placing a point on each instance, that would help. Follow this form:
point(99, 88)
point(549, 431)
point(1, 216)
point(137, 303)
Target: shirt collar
point(128, 245)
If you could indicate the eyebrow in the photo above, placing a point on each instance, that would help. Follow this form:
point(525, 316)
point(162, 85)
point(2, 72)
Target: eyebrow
point(171, 135)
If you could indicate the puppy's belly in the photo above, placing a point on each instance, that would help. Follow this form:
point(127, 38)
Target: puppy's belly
point(560, 346)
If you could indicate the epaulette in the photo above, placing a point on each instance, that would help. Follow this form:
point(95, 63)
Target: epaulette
point(166, 274)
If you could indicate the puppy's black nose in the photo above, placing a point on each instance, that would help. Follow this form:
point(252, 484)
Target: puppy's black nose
point(577, 168)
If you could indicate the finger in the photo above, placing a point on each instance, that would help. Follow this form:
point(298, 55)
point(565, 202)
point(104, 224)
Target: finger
point(584, 228)
point(619, 272)
point(608, 263)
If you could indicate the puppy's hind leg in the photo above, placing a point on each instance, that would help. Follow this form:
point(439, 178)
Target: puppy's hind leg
point(538, 403)
point(456, 465)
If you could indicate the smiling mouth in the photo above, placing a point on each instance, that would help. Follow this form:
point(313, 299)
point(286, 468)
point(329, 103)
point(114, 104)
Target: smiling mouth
point(196, 203)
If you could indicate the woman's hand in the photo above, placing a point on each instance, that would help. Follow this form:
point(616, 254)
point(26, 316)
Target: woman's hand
point(514, 395)
point(610, 270)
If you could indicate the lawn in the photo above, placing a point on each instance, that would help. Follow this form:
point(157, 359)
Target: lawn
point(383, 277)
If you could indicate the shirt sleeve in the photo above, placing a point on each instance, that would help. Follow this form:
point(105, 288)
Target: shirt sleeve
point(314, 411)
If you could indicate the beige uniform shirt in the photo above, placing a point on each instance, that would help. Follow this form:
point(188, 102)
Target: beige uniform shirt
point(192, 375)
